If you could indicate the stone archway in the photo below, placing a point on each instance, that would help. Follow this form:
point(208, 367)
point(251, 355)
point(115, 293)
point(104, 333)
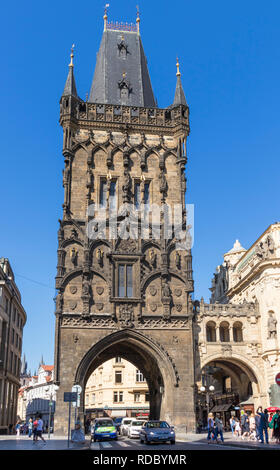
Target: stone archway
point(146, 355)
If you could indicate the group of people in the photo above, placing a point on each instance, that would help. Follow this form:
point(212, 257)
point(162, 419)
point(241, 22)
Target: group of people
point(256, 427)
point(33, 427)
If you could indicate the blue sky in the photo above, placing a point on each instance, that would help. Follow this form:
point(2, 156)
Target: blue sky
point(230, 62)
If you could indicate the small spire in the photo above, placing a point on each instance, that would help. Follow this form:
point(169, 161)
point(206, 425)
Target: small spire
point(72, 56)
point(105, 17)
point(179, 98)
point(178, 74)
point(138, 19)
point(70, 85)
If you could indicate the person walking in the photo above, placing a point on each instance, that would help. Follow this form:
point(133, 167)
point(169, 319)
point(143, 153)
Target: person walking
point(210, 427)
point(257, 421)
point(263, 424)
point(218, 429)
point(30, 427)
point(39, 429)
point(17, 428)
point(275, 425)
point(232, 423)
point(252, 427)
point(237, 429)
point(34, 429)
point(245, 425)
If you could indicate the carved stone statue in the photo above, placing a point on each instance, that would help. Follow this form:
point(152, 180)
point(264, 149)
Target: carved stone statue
point(85, 287)
point(74, 256)
point(272, 326)
point(153, 258)
point(166, 292)
point(59, 302)
point(126, 187)
point(99, 256)
point(163, 183)
point(265, 249)
point(178, 260)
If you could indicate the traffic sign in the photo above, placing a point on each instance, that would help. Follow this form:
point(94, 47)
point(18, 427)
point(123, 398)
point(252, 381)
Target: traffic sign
point(78, 390)
point(277, 379)
point(70, 396)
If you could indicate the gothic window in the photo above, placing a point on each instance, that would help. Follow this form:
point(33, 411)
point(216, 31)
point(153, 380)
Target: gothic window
point(147, 194)
point(113, 196)
point(137, 195)
point(224, 332)
point(237, 332)
point(102, 194)
point(125, 281)
point(211, 332)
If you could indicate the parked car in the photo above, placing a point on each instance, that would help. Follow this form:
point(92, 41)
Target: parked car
point(134, 428)
point(124, 426)
point(117, 423)
point(157, 431)
point(103, 428)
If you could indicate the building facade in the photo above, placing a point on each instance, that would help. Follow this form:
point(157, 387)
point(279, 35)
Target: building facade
point(117, 388)
point(238, 333)
point(12, 321)
point(124, 293)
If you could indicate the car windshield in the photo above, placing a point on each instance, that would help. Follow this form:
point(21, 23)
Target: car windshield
point(137, 423)
point(104, 423)
point(158, 424)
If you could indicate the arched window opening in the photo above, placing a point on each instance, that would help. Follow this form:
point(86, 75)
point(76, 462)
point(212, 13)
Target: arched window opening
point(237, 332)
point(224, 332)
point(211, 332)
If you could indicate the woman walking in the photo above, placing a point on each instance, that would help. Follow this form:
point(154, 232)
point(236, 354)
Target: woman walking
point(275, 425)
point(30, 427)
point(210, 427)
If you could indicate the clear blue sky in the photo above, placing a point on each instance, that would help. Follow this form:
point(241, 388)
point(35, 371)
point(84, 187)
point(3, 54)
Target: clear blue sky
point(230, 63)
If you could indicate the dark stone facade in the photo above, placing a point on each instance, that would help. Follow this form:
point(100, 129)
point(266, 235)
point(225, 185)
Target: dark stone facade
point(152, 328)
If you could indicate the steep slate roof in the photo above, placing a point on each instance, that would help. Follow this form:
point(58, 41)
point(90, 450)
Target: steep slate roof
point(113, 66)
point(70, 85)
point(179, 93)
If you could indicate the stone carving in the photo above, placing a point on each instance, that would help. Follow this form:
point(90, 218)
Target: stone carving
point(178, 260)
point(178, 292)
point(73, 289)
point(74, 233)
point(73, 305)
point(163, 184)
point(271, 326)
point(153, 307)
point(99, 290)
point(99, 306)
point(175, 340)
point(75, 338)
point(126, 316)
point(99, 256)
point(126, 246)
point(265, 249)
point(126, 187)
point(153, 258)
point(178, 307)
point(166, 292)
point(153, 290)
point(59, 302)
point(226, 350)
point(74, 256)
point(86, 287)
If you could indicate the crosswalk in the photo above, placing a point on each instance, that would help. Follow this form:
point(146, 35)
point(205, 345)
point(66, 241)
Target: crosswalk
point(105, 445)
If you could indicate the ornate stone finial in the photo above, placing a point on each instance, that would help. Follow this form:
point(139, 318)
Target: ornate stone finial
point(105, 17)
point(124, 74)
point(72, 56)
point(138, 19)
point(178, 74)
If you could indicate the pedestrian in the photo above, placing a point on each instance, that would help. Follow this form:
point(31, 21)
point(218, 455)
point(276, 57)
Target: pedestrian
point(232, 423)
point(78, 435)
point(270, 430)
point(275, 425)
point(39, 429)
point(237, 429)
point(210, 427)
point(30, 427)
point(218, 429)
point(252, 427)
point(257, 421)
point(245, 425)
point(35, 424)
point(17, 428)
point(263, 424)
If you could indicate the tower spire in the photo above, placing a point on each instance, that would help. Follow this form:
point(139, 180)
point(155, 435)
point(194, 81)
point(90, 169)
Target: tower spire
point(70, 85)
point(138, 19)
point(105, 17)
point(179, 98)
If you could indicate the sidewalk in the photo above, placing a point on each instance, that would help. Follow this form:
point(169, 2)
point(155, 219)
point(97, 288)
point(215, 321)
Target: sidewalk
point(54, 443)
point(230, 441)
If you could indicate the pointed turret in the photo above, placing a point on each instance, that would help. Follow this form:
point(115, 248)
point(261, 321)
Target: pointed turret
point(121, 74)
point(70, 85)
point(179, 98)
point(24, 366)
point(41, 363)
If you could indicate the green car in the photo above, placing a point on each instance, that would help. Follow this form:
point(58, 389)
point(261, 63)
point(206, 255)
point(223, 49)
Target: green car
point(104, 428)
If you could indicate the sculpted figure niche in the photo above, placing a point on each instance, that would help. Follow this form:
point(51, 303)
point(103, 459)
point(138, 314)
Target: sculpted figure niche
point(272, 326)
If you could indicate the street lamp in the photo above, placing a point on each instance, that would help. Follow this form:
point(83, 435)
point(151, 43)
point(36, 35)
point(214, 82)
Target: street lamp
point(207, 392)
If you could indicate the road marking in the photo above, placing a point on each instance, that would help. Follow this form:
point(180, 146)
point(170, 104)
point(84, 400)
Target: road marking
point(123, 444)
point(95, 446)
point(106, 445)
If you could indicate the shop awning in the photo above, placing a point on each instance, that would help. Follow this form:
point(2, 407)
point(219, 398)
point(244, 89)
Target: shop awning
point(221, 408)
point(118, 413)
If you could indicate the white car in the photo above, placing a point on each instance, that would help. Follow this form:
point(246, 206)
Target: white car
point(124, 426)
point(134, 428)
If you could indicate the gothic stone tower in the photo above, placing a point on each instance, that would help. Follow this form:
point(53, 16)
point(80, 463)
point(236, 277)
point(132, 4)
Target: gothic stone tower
point(124, 296)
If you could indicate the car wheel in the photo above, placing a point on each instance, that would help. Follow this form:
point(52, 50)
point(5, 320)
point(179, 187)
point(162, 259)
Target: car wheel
point(172, 442)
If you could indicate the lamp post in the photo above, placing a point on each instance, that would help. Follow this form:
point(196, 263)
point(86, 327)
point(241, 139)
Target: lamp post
point(207, 392)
